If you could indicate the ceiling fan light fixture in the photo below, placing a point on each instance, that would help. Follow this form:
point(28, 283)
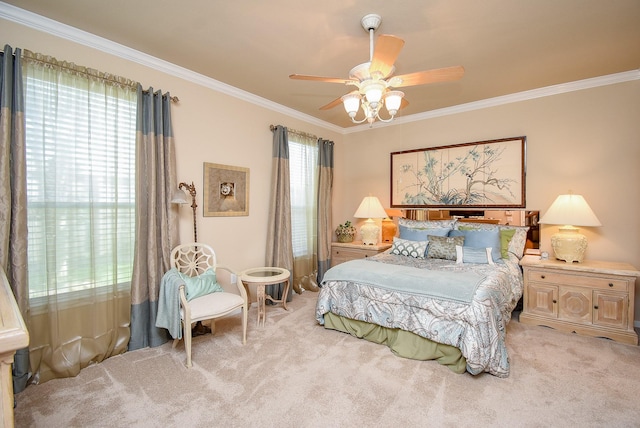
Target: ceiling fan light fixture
point(392, 101)
point(351, 103)
point(373, 92)
point(375, 78)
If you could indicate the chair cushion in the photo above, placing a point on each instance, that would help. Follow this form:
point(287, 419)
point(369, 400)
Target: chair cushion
point(200, 285)
point(214, 304)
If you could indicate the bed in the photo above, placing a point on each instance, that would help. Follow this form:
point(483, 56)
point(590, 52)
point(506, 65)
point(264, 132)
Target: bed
point(444, 291)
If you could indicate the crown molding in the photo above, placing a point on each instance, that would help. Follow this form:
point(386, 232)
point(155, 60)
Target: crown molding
point(49, 26)
point(55, 28)
point(517, 97)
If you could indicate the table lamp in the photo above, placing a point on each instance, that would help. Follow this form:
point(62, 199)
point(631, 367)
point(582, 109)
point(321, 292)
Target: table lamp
point(389, 227)
point(569, 211)
point(370, 208)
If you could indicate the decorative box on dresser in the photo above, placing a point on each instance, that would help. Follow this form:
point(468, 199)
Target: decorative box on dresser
point(342, 252)
point(593, 298)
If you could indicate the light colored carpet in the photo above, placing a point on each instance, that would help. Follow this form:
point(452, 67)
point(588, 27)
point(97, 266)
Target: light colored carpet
point(294, 373)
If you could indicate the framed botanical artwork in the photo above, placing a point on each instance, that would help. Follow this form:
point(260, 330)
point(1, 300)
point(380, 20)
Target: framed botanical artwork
point(226, 190)
point(482, 174)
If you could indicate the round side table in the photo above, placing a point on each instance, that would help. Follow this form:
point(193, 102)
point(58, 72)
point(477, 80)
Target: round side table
point(261, 277)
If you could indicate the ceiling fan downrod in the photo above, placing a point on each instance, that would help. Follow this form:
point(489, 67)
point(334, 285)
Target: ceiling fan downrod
point(370, 23)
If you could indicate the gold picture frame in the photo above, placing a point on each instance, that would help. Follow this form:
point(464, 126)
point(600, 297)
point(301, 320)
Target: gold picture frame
point(226, 190)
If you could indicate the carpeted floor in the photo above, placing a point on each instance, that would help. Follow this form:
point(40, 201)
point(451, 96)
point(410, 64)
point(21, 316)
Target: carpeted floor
point(294, 373)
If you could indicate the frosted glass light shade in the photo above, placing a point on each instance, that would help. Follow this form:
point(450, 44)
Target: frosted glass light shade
point(392, 101)
point(373, 93)
point(351, 103)
point(569, 211)
point(179, 197)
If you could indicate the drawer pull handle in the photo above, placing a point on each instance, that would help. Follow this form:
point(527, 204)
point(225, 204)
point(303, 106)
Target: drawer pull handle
point(555, 301)
point(610, 284)
point(366, 255)
point(542, 276)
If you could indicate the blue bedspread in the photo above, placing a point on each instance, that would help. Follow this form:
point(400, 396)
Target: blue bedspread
point(442, 284)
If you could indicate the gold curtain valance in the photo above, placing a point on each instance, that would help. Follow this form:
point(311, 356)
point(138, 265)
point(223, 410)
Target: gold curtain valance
point(48, 61)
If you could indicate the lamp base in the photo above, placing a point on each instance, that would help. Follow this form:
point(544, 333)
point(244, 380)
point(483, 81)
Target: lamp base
point(569, 245)
point(389, 230)
point(369, 232)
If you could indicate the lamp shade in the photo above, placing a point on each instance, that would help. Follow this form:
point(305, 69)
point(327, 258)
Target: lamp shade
point(570, 210)
point(179, 197)
point(392, 101)
point(373, 92)
point(351, 103)
point(370, 207)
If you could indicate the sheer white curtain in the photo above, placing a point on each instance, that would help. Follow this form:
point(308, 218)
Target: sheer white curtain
point(80, 138)
point(303, 166)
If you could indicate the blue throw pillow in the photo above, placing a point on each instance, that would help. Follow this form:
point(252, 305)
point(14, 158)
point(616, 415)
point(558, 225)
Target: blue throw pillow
point(420, 234)
point(201, 285)
point(473, 255)
point(481, 239)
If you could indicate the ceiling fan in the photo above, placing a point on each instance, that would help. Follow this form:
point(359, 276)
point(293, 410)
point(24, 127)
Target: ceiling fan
point(374, 80)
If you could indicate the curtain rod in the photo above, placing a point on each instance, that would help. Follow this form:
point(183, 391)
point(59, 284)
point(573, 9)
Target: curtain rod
point(45, 59)
point(174, 99)
point(293, 131)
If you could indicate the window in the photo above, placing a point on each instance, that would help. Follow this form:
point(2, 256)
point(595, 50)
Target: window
point(303, 170)
point(80, 139)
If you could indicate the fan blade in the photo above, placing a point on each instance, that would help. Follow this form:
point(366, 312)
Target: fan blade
point(386, 52)
point(335, 102)
point(447, 74)
point(320, 79)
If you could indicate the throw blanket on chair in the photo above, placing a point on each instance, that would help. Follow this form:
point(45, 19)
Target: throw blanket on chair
point(169, 303)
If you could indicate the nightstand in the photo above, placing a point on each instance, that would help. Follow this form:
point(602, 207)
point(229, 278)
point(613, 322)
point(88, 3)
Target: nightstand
point(593, 298)
point(342, 252)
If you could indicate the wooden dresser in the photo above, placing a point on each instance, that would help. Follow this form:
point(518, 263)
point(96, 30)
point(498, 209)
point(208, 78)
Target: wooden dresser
point(593, 298)
point(342, 252)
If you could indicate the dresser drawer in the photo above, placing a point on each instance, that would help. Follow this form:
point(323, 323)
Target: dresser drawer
point(343, 252)
point(349, 253)
point(592, 281)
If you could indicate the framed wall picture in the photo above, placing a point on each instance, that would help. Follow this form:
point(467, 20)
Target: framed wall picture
point(226, 190)
point(482, 174)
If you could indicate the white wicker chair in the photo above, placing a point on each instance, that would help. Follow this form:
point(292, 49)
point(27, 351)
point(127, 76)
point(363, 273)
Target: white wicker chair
point(193, 260)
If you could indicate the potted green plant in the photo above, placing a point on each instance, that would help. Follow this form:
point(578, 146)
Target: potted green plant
point(346, 232)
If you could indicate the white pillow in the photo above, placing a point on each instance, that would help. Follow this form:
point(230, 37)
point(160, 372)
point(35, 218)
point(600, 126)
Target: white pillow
point(473, 255)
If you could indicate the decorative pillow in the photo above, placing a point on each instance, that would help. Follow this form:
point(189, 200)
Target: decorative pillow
point(481, 239)
point(515, 244)
point(200, 285)
point(443, 247)
point(420, 234)
point(506, 235)
point(473, 255)
point(405, 247)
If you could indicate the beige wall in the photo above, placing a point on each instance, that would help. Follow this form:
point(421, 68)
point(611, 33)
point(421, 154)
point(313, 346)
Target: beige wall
point(209, 127)
point(585, 141)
